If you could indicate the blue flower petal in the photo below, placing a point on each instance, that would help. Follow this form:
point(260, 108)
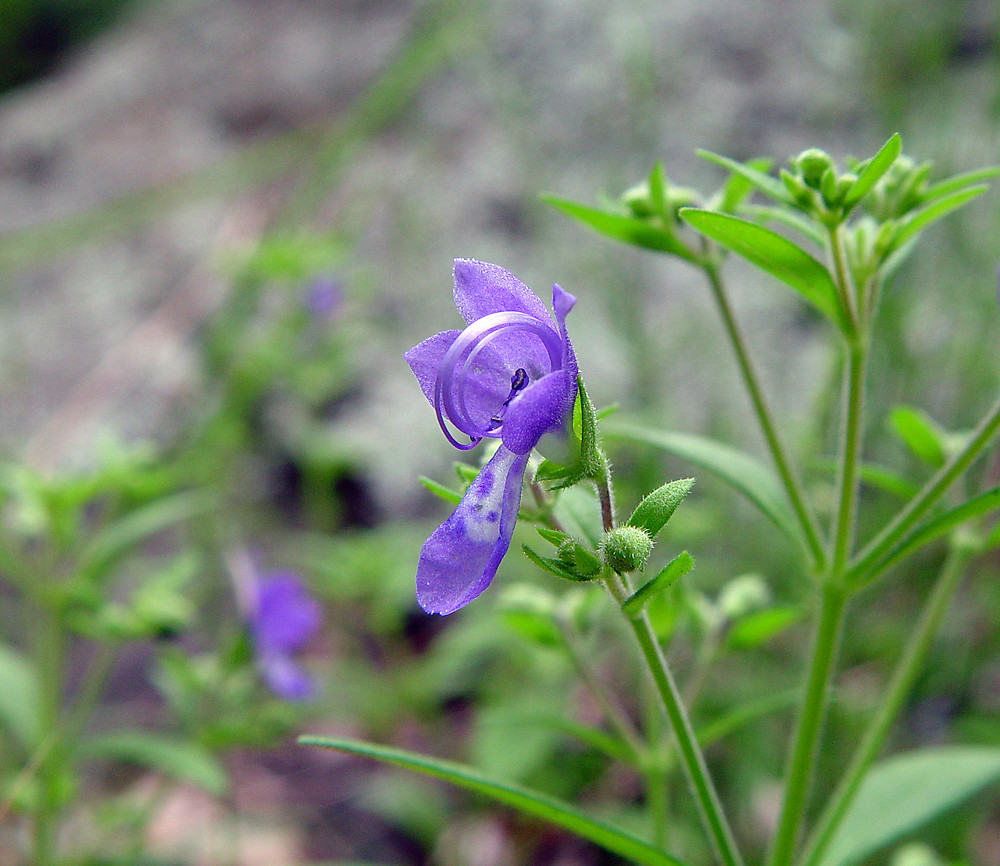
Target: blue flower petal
point(461, 556)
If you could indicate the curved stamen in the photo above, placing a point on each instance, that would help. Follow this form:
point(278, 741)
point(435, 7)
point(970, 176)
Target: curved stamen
point(450, 389)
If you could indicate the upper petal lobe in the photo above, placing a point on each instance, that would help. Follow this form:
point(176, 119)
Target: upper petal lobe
point(482, 288)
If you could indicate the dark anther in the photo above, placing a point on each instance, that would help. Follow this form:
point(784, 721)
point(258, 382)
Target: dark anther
point(518, 382)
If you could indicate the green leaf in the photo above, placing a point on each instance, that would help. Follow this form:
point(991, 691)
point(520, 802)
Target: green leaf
point(887, 480)
point(556, 566)
point(579, 513)
point(916, 221)
point(903, 793)
point(764, 182)
point(772, 253)
point(522, 799)
point(657, 183)
point(622, 228)
point(180, 760)
point(122, 535)
point(743, 472)
point(439, 490)
point(755, 628)
point(959, 181)
point(877, 166)
point(597, 739)
point(552, 536)
point(746, 712)
point(919, 434)
point(18, 697)
point(737, 187)
point(658, 507)
point(792, 219)
point(935, 528)
point(672, 571)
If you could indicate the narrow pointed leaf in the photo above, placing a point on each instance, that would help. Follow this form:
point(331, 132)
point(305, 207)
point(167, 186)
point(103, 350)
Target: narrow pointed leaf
point(622, 228)
point(919, 219)
point(764, 182)
point(760, 626)
point(180, 760)
point(772, 253)
point(18, 697)
point(737, 187)
point(887, 480)
point(552, 536)
point(659, 506)
point(940, 525)
point(877, 166)
point(675, 569)
point(747, 711)
point(764, 213)
point(919, 434)
point(440, 490)
point(743, 472)
point(119, 537)
point(960, 181)
point(522, 799)
point(903, 793)
point(657, 182)
point(555, 566)
point(597, 739)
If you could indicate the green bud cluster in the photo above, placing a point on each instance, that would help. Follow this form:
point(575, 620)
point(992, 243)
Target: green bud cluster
point(656, 198)
point(815, 183)
point(900, 190)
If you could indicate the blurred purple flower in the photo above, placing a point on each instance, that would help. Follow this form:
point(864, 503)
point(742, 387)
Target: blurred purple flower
point(324, 297)
point(282, 618)
point(510, 375)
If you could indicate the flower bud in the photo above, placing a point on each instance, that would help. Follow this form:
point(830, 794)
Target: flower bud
point(812, 164)
point(626, 549)
point(638, 200)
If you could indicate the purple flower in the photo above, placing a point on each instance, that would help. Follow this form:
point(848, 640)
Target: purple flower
point(282, 618)
point(325, 297)
point(510, 375)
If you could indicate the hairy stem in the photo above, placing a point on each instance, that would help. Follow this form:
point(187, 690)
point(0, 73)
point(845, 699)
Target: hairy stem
point(695, 768)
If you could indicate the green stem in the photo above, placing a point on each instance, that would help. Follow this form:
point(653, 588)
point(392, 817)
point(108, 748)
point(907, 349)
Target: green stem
point(613, 714)
point(847, 496)
point(863, 569)
point(94, 680)
point(695, 768)
point(49, 655)
point(692, 760)
point(802, 756)
point(833, 600)
point(849, 302)
point(789, 478)
point(899, 687)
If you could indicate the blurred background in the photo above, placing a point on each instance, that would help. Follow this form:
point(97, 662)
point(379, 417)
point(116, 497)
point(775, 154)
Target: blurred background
point(222, 222)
